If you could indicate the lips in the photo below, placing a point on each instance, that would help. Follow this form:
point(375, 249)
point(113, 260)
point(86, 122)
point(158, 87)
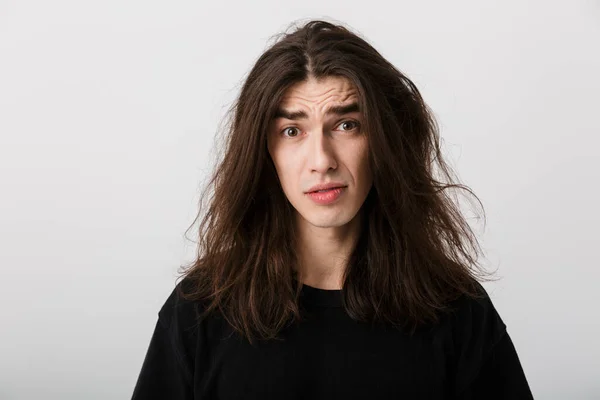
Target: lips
point(326, 186)
point(324, 190)
point(326, 197)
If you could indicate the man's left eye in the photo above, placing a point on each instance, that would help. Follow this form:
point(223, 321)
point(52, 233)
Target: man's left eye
point(353, 124)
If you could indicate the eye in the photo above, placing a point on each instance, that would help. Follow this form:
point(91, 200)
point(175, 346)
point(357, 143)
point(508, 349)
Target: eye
point(347, 125)
point(353, 125)
point(288, 130)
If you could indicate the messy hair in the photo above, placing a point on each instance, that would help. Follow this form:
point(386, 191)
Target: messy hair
point(415, 254)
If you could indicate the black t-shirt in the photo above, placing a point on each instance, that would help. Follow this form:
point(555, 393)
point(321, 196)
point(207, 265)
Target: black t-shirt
point(468, 355)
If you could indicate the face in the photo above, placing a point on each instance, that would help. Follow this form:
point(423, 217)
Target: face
point(310, 143)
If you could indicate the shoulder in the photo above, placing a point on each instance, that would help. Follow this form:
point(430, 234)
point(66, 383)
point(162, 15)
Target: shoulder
point(476, 318)
point(179, 315)
point(170, 362)
point(475, 329)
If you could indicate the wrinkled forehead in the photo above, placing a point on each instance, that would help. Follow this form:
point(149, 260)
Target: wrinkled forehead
point(317, 92)
point(330, 95)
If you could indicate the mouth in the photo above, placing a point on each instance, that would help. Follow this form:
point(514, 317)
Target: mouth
point(326, 196)
point(327, 190)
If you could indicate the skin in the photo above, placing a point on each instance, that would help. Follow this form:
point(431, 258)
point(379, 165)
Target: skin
point(322, 148)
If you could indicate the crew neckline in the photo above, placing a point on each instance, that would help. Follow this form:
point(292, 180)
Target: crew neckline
point(321, 297)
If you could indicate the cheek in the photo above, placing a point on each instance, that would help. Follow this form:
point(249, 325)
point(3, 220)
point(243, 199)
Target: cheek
point(286, 173)
point(360, 157)
point(284, 168)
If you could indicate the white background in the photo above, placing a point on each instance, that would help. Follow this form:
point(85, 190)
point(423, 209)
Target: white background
point(108, 111)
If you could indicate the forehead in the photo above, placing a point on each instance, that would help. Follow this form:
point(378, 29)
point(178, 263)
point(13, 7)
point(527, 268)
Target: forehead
point(311, 92)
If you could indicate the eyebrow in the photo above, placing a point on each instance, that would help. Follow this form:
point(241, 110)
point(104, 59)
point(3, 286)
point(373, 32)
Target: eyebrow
point(295, 115)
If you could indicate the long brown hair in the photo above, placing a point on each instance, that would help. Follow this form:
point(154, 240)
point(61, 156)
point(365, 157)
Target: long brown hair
point(416, 252)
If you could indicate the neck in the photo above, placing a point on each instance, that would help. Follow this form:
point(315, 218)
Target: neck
point(324, 252)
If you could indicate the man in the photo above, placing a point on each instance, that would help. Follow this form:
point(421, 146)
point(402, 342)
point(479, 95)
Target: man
point(332, 264)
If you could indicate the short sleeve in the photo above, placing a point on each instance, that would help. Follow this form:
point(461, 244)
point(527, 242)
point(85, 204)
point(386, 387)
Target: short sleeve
point(168, 368)
point(486, 365)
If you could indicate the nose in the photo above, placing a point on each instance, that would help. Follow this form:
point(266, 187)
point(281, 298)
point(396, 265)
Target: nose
point(321, 152)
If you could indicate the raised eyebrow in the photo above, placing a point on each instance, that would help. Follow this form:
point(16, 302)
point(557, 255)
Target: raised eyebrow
point(337, 110)
point(293, 115)
point(345, 109)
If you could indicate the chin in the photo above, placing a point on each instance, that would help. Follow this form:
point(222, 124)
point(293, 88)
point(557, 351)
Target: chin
point(328, 222)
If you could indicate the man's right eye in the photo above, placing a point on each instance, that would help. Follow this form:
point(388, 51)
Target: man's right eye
point(289, 130)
